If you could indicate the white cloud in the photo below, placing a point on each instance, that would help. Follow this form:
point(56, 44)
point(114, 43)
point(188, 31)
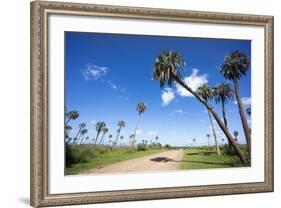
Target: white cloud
point(249, 122)
point(93, 72)
point(139, 131)
point(193, 81)
point(245, 100)
point(172, 132)
point(152, 133)
point(112, 85)
point(93, 121)
point(180, 111)
point(167, 96)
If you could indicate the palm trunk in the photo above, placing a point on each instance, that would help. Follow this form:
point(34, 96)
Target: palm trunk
point(101, 140)
point(214, 133)
point(97, 136)
point(76, 136)
point(243, 117)
point(117, 136)
point(216, 117)
point(135, 133)
point(225, 121)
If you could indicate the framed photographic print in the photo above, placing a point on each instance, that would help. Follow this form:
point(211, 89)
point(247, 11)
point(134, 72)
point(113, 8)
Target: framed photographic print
point(142, 103)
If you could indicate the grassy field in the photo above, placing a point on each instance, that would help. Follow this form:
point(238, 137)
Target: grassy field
point(99, 157)
point(201, 158)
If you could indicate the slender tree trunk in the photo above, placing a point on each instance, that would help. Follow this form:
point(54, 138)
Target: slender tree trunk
point(135, 132)
point(214, 133)
point(243, 117)
point(217, 118)
point(97, 136)
point(225, 121)
point(101, 140)
point(117, 136)
point(76, 136)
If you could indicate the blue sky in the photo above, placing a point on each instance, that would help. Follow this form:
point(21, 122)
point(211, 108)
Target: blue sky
point(108, 74)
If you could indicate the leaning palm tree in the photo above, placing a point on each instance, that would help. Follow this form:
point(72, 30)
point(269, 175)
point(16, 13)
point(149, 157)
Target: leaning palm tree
point(120, 125)
point(71, 115)
point(83, 133)
point(166, 68)
point(99, 127)
point(141, 108)
point(223, 93)
point(81, 127)
point(206, 93)
point(235, 65)
point(104, 131)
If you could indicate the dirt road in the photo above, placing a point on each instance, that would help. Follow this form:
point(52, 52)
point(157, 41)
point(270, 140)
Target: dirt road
point(168, 160)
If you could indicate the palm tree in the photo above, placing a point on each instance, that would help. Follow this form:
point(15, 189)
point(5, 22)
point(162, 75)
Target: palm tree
point(131, 139)
point(81, 126)
point(110, 136)
point(235, 133)
point(248, 111)
point(87, 138)
point(71, 115)
point(83, 133)
point(104, 131)
point(223, 93)
point(120, 124)
point(208, 136)
point(206, 93)
point(121, 138)
point(194, 140)
point(166, 68)
point(141, 108)
point(235, 65)
point(156, 139)
point(99, 127)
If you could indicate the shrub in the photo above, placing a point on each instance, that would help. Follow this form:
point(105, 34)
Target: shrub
point(141, 147)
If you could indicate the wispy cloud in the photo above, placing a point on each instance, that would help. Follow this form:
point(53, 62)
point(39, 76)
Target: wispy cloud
point(172, 132)
point(112, 85)
point(93, 121)
point(245, 100)
point(124, 98)
point(193, 81)
point(93, 72)
point(167, 96)
point(180, 111)
point(139, 131)
point(152, 133)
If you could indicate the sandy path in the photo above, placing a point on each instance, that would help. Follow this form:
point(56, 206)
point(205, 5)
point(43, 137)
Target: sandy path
point(168, 160)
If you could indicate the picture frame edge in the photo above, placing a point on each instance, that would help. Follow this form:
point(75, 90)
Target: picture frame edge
point(38, 177)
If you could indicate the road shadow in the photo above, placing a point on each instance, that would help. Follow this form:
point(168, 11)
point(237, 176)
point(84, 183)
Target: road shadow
point(162, 159)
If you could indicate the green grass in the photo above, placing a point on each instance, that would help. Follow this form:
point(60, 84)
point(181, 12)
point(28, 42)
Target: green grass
point(100, 157)
point(201, 158)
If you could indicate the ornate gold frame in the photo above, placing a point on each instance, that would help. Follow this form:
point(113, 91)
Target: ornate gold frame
point(39, 103)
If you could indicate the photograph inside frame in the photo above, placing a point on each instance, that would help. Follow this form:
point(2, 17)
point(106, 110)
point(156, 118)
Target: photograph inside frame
point(143, 103)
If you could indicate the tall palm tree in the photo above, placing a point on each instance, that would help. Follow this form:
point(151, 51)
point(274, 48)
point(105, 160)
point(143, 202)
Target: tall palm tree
point(166, 68)
point(206, 93)
point(104, 131)
point(194, 140)
point(87, 138)
point(223, 93)
point(156, 139)
point(71, 115)
point(120, 125)
point(141, 108)
point(83, 133)
point(208, 136)
point(99, 127)
point(235, 65)
point(81, 126)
